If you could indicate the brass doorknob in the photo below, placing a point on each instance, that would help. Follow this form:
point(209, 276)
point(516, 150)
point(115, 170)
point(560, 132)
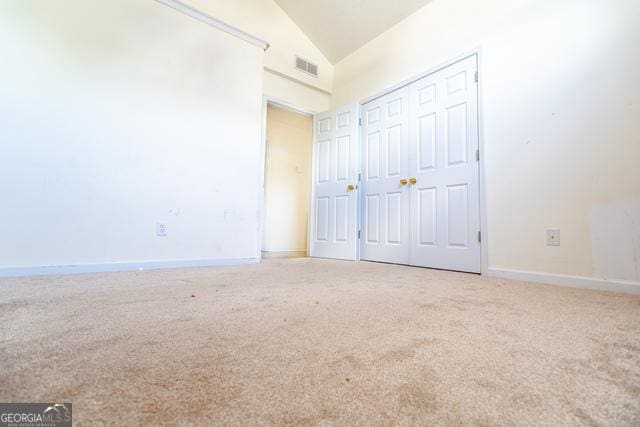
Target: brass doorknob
point(351, 187)
point(403, 181)
point(412, 181)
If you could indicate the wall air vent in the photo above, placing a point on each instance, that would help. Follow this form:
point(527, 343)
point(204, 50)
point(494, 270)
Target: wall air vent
point(306, 66)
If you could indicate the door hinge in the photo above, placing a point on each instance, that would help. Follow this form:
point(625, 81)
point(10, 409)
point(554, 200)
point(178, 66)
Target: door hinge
point(477, 155)
point(360, 121)
point(359, 177)
point(358, 234)
point(476, 77)
point(479, 236)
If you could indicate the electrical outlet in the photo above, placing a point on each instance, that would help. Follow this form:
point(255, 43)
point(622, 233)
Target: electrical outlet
point(162, 228)
point(553, 237)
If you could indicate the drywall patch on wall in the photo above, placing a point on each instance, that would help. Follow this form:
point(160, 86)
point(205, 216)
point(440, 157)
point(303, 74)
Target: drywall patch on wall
point(615, 236)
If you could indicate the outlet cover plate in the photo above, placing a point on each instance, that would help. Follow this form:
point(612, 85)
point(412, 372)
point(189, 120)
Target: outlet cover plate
point(553, 237)
point(162, 228)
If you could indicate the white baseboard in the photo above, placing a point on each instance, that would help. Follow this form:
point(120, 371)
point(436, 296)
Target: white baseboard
point(46, 270)
point(288, 253)
point(284, 250)
point(624, 286)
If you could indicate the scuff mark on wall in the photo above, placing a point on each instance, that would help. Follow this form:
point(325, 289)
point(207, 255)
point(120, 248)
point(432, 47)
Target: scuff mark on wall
point(615, 237)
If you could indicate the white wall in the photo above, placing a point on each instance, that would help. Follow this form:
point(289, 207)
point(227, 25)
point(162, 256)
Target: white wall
point(265, 19)
point(290, 92)
point(561, 121)
point(287, 178)
point(282, 81)
point(114, 115)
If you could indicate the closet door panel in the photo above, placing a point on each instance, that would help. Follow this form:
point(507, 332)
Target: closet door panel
point(445, 200)
point(385, 220)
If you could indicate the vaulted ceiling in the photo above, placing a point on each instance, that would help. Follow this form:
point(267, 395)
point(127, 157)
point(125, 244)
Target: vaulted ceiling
point(339, 27)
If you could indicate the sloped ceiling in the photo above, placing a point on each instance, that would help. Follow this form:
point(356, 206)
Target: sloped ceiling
point(339, 27)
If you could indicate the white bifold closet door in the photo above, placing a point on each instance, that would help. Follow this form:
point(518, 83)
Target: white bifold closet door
point(334, 202)
point(385, 214)
point(420, 189)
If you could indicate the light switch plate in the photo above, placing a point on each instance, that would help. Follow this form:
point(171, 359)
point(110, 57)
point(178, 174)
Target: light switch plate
point(553, 237)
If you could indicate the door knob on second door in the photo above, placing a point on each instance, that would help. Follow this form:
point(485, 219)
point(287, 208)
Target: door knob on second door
point(412, 181)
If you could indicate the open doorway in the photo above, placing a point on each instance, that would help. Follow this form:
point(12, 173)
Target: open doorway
point(286, 182)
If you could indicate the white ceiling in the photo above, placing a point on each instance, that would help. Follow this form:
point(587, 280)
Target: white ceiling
point(339, 27)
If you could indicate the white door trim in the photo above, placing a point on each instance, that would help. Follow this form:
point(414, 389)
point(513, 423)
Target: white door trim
point(484, 223)
point(435, 69)
point(266, 100)
point(484, 257)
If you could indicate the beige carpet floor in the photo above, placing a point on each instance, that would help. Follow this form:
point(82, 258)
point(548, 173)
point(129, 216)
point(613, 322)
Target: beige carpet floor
point(308, 342)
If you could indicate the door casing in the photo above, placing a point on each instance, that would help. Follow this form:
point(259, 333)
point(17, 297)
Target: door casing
point(266, 100)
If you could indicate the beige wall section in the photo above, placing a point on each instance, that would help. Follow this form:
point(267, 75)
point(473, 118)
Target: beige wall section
point(561, 108)
point(287, 176)
point(265, 19)
point(285, 90)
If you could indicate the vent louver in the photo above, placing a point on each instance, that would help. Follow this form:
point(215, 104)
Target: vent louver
point(312, 69)
point(306, 66)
